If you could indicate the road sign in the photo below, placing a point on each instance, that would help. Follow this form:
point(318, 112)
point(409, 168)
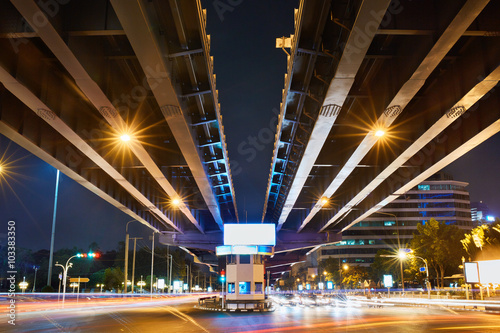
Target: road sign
point(81, 280)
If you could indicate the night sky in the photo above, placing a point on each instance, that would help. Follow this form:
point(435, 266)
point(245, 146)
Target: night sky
point(250, 76)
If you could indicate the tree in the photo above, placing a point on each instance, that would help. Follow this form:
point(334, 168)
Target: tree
point(355, 275)
point(331, 266)
point(113, 278)
point(439, 243)
point(97, 277)
point(481, 240)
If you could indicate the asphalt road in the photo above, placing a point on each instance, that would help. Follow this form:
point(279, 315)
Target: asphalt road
point(173, 316)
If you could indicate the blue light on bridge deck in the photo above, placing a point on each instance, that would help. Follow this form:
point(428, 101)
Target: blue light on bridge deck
point(223, 250)
point(490, 218)
point(265, 250)
point(250, 234)
point(244, 249)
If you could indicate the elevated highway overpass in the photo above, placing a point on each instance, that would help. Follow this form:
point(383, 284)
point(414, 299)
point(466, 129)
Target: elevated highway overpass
point(378, 96)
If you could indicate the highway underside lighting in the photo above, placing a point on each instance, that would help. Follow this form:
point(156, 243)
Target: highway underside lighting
point(379, 133)
point(125, 137)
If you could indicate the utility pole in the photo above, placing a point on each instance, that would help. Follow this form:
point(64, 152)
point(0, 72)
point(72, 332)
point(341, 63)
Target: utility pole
point(170, 277)
point(133, 261)
point(152, 262)
point(126, 262)
point(187, 276)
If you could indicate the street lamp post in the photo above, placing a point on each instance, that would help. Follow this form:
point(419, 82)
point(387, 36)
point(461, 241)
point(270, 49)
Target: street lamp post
point(141, 284)
point(399, 246)
point(152, 261)
point(428, 283)
point(51, 255)
point(65, 274)
point(401, 255)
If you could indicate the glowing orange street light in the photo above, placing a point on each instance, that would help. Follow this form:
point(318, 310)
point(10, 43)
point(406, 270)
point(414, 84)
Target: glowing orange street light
point(324, 200)
point(379, 133)
point(125, 138)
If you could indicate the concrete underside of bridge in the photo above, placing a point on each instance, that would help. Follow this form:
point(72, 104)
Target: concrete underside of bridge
point(285, 240)
point(422, 73)
point(77, 75)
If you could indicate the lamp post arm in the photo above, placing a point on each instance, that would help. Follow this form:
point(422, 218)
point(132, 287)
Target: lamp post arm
point(126, 227)
point(425, 262)
point(67, 262)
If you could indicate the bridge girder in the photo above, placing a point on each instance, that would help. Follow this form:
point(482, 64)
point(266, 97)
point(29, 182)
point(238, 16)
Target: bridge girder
point(416, 79)
point(91, 84)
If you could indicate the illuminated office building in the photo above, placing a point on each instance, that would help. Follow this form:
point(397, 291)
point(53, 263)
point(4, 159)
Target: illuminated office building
point(440, 197)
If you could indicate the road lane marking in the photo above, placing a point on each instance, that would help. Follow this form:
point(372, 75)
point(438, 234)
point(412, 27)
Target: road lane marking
point(184, 316)
point(115, 316)
point(343, 327)
point(454, 312)
point(465, 327)
point(53, 322)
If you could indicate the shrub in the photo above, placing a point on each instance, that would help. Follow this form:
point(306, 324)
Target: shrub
point(47, 289)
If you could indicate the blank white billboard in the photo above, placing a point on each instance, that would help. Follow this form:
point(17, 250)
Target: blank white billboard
point(489, 271)
point(471, 272)
point(250, 234)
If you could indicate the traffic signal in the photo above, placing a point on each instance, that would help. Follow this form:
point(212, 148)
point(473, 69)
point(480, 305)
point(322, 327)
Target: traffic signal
point(88, 255)
point(223, 276)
